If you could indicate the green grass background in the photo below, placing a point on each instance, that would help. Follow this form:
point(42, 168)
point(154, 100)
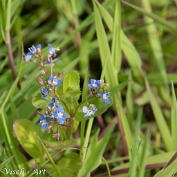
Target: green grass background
point(131, 44)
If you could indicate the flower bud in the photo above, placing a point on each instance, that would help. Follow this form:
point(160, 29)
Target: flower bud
point(60, 75)
point(56, 135)
point(40, 81)
point(42, 73)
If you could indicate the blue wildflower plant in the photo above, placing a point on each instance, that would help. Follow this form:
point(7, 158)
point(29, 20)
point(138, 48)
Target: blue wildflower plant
point(58, 99)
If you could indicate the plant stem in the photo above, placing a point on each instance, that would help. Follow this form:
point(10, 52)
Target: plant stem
point(84, 148)
point(69, 129)
point(107, 166)
point(11, 59)
point(76, 23)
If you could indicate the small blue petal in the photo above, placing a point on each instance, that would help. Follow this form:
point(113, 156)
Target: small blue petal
point(44, 92)
point(61, 120)
point(107, 101)
point(38, 47)
point(51, 51)
point(28, 56)
point(65, 115)
point(55, 114)
point(45, 126)
point(95, 83)
point(32, 49)
point(42, 117)
point(60, 109)
point(47, 119)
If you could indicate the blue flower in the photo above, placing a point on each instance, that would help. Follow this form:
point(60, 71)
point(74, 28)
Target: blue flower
point(89, 111)
point(51, 52)
point(34, 49)
point(44, 121)
point(60, 115)
point(54, 81)
point(44, 92)
point(50, 61)
point(54, 103)
point(105, 97)
point(28, 56)
point(95, 83)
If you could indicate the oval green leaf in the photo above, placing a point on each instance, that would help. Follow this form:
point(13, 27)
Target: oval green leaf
point(25, 132)
point(59, 145)
point(71, 82)
point(39, 102)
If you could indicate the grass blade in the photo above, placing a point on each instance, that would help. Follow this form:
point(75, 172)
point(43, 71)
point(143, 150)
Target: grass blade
point(167, 24)
point(155, 42)
point(116, 38)
point(50, 158)
point(110, 74)
point(127, 47)
point(162, 125)
point(174, 117)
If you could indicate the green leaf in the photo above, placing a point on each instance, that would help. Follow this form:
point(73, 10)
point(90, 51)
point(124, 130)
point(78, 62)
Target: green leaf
point(69, 164)
point(170, 169)
point(6, 162)
point(111, 74)
point(59, 145)
point(119, 87)
point(155, 17)
point(70, 97)
point(50, 158)
point(155, 160)
point(174, 118)
point(95, 153)
point(14, 109)
point(128, 48)
point(59, 90)
point(134, 155)
point(98, 102)
point(162, 125)
point(25, 132)
point(143, 156)
point(155, 43)
point(71, 82)
point(116, 38)
point(75, 125)
point(39, 102)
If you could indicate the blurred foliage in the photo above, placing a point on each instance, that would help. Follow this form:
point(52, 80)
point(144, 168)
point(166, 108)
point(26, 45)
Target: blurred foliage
point(70, 25)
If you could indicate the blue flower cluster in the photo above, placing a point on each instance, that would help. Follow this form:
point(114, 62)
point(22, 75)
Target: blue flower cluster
point(54, 114)
point(52, 54)
point(95, 83)
point(98, 88)
point(105, 97)
point(50, 85)
point(36, 51)
point(32, 51)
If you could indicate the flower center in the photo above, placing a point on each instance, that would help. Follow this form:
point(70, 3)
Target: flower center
point(43, 122)
point(60, 114)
